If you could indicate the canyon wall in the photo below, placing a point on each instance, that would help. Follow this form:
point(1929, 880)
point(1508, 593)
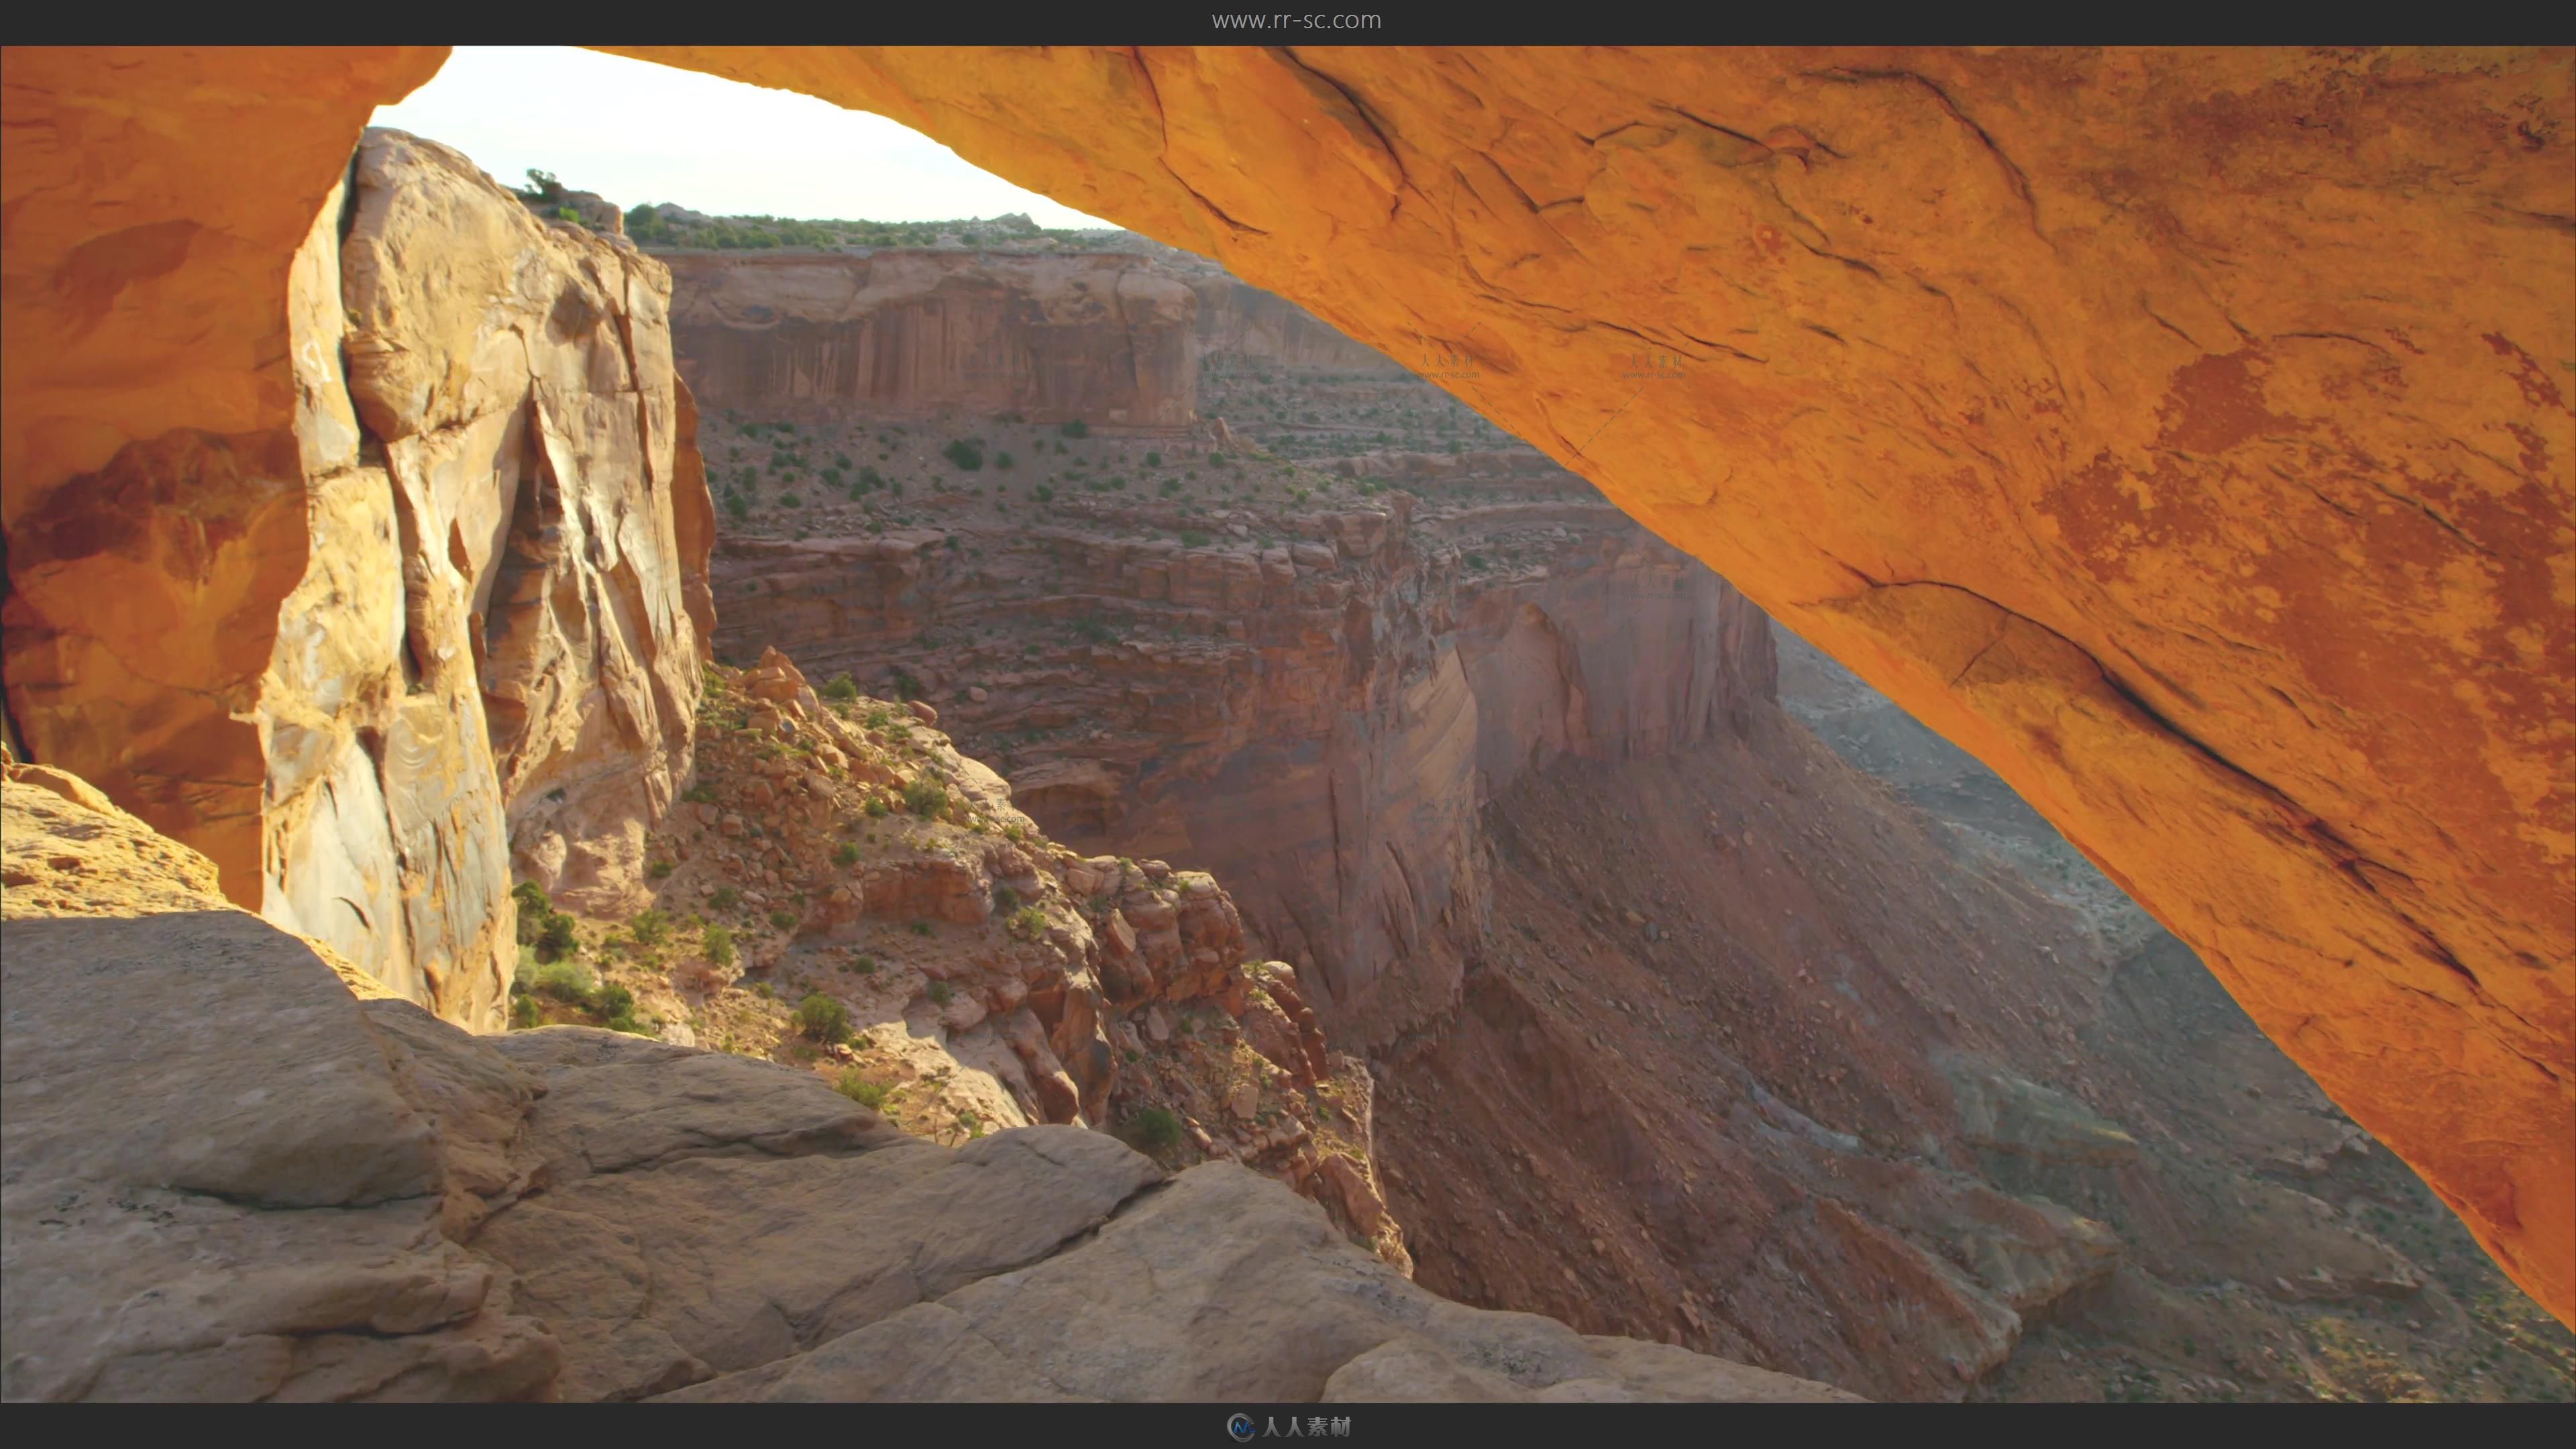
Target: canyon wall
point(2146, 422)
point(1314, 715)
point(446, 602)
point(1258, 326)
point(2152, 424)
point(1102, 339)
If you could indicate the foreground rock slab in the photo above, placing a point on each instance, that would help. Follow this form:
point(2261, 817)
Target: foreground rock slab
point(1219, 1285)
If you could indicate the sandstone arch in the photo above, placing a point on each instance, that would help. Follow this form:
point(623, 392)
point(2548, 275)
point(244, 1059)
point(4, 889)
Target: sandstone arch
point(2188, 435)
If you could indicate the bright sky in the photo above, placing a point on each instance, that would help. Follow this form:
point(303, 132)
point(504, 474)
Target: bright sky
point(636, 132)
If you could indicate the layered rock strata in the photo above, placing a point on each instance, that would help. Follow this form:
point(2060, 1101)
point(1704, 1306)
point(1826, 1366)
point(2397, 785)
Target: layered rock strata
point(1311, 704)
point(1240, 321)
point(1997, 428)
point(2140, 420)
point(1103, 339)
point(988, 977)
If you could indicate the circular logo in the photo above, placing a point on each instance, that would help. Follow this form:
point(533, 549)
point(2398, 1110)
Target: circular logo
point(1240, 1426)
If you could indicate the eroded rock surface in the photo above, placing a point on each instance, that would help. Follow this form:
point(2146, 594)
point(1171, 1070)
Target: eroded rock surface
point(840, 853)
point(1102, 338)
point(1192, 1294)
point(403, 1211)
point(2139, 420)
point(448, 608)
point(1302, 681)
point(2143, 421)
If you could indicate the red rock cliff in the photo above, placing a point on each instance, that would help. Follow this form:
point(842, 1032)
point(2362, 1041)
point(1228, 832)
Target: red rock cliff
point(1101, 339)
point(2186, 434)
point(1260, 326)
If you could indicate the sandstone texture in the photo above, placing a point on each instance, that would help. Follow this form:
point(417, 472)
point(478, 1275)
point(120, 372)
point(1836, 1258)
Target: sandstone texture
point(1101, 338)
point(1246, 322)
point(446, 603)
point(228, 1178)
point(987, 977)
point(2148, 423)
point(1306, 695)
point(2182, 433)
point(1156, 1306)
point(1745, 1055)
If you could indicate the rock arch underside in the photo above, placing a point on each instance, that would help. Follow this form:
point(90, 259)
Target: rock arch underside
point(2186, 434)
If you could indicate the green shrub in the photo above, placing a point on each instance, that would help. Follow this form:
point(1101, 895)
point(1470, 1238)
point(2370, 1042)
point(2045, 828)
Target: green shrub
point(1171, 487)
point(1155, 1129)
point(964, 454)
point(790, 500)
point(717, 947)
point(763, 991)
point(542, 926)
point(823, 1018)
point(846, 854)
point(1076, 429)
point(867, 1094)
point(1043, 493)
point(1192, 538)
point(1002, 460)
point(870, 480)
point(736, 505)
point(701, 793)
point(524, 1013)
point(725, 898)
point(925, 797)
point(1028, 923)
point(1216, 460)
point(864, 964)
point(877, 808)
point(556, 940)
point(921, 928)
point(613, 1001)
point(842, 686)
point(650, 927)
point(569, 982)
point(940, 993)
point(1153, 460)
point(661, 868)
point(782, 919)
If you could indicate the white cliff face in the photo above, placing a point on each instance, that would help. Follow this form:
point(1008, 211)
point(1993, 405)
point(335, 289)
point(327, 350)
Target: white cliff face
point(491, 661)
